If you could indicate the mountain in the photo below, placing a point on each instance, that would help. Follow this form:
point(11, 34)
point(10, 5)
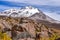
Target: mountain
point(30, 12)
point(29, 23)
point(22, 12)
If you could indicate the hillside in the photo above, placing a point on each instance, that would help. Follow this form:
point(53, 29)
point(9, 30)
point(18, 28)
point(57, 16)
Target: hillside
point(27, 29)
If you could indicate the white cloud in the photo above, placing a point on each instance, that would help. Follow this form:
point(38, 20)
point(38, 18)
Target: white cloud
point(2, 7)
point(39, 2)
point(53, 15)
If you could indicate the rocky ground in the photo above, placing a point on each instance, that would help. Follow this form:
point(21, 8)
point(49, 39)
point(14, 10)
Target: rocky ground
point(27, 29)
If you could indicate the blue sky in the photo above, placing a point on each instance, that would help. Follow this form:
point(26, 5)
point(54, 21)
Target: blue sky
point(49, 7)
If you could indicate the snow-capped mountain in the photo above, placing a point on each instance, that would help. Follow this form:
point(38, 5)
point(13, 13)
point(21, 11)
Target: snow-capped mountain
point(25, 12)
point(29, 12)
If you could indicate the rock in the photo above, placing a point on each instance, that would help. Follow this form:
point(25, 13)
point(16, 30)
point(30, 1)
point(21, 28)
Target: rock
point(26, 29)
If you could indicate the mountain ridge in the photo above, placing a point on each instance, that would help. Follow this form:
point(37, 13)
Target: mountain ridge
point(29, 12)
